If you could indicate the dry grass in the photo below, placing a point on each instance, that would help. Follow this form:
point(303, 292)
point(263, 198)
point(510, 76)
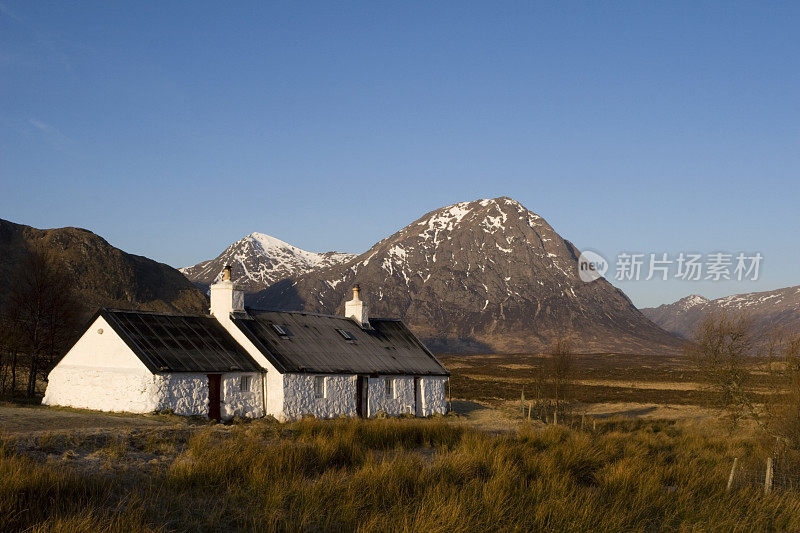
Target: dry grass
point(391, 475)
point(596, 378)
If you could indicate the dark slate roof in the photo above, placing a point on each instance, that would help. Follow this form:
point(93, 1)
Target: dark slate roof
point(179, 343)
point(314, 345)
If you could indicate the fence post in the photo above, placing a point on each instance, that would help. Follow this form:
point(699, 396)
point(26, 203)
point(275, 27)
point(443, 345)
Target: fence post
point(594, 424)
point(733, 473)
point(768, 477)
point(522, 402)
point(555, 416)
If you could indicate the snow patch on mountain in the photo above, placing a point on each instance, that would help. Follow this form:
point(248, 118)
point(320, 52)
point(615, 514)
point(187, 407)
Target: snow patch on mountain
point(258, 260)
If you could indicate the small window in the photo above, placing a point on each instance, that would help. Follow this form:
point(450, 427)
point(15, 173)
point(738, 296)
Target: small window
point(280, 330)
point(319, 386)
point(389, 383)
point(245, 383)
point(346, 334)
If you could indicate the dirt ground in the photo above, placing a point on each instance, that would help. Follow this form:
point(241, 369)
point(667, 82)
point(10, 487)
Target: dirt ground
point(27, 419)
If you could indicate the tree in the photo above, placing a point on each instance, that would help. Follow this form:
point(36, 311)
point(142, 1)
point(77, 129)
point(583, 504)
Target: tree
point(560, 369)
point(721, 348)
point(780, 414)
point(42, 315)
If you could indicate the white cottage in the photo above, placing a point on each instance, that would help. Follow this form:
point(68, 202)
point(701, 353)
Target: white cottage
point(249, 363)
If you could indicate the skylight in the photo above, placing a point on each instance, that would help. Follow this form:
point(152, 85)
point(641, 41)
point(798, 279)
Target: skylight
point(280, 330)
point(347, 335)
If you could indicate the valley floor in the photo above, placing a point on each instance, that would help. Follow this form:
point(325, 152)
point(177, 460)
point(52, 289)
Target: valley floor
point(631, 458)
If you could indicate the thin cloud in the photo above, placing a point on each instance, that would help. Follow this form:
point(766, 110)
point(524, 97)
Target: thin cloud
point(50, 133)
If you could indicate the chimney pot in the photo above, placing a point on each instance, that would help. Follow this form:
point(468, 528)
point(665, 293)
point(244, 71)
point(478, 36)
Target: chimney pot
point(356, 292)
point(226, 273)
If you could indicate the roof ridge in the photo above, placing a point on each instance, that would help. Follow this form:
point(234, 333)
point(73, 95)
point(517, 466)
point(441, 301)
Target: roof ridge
point(157, 313)
point(250, 310)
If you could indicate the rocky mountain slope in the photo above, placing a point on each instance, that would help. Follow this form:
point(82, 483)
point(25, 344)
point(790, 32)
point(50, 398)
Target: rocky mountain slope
point(487, 275)
point(779, 308)
point(259, 260)
point(103, 275)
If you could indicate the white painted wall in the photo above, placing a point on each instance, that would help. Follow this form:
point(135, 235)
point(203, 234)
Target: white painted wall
point(340, 397)
point(184, 393)
point(433, 395)
point(101, 372)
point(275, 393)
point(299, 400)
point(236, 402)
point(102, 389)
point(101, 347)
point(402, 401)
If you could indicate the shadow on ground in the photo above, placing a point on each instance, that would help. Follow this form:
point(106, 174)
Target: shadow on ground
point(466, 408)
point(627, 412)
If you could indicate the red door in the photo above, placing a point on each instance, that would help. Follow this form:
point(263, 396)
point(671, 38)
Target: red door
point(214, 386)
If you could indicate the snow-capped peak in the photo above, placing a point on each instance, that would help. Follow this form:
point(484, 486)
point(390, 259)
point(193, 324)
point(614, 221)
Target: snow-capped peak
point(691, 301)
point(272, 247)
point(258, 260)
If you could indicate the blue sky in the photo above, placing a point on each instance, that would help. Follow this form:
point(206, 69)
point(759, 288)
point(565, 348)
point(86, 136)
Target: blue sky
point(173, 129)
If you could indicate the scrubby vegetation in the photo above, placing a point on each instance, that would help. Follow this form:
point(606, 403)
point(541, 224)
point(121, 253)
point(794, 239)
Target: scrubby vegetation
point(396, 475)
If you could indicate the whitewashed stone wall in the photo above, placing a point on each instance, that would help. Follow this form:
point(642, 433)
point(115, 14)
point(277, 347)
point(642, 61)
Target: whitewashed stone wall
point(275, 381)
point(299, 400)
point(402, 402)
point(236, 402)
point(432, 395)
point(183, 393)
point(101, 372)
point(129, 390)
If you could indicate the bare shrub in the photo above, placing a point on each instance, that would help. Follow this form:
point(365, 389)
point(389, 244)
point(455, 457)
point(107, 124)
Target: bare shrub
point(560, 373)
point(781, 411)
point(41, 319)
point(721, 348)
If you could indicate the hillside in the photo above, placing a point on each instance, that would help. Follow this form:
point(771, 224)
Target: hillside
point(103, 275)
point(259, 260)
point(487, 275)
point(769, 309)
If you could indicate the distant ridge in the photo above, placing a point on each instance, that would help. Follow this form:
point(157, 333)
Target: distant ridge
point(779, 308)
point(103, 275)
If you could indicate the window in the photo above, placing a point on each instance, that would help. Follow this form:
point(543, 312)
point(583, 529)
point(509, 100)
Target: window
point(319, 386)
point(244, 383)
point(280, 330)
point(346, 334)
point(389, 383)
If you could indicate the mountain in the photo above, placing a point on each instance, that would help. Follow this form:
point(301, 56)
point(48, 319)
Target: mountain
point(779, 308)
point(487, 275)
point(259, 260)
point(103, 275)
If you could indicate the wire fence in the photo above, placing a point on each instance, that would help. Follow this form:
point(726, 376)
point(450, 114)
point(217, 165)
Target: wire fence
point(780, 471)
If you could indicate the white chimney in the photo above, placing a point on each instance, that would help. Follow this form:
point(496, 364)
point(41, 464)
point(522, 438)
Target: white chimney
point(356, 309)
point(226, 297)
